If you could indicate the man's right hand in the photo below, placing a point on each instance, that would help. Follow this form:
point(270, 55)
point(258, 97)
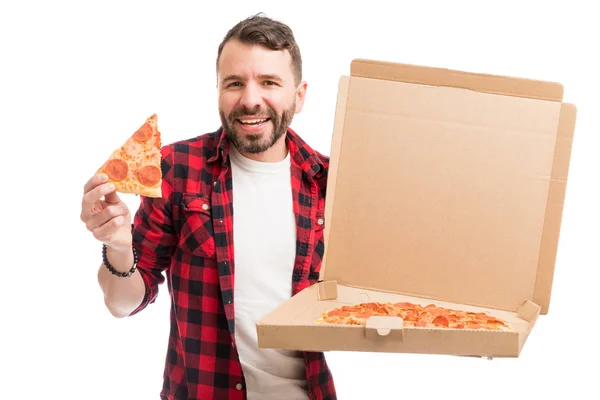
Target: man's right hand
point(109, 220)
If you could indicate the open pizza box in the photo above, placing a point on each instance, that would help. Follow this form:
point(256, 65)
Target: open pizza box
point(445, 187)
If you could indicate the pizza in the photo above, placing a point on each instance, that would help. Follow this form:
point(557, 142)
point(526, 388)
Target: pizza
point(135, 166)
point(415, 316)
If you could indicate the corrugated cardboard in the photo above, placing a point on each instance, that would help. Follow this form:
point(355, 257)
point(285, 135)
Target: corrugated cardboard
point(445, 187)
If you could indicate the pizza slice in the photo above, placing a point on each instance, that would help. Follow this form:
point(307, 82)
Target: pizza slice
point(135, 166)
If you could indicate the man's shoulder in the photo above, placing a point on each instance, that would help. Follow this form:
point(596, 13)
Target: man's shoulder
point(204, 145)
point(324, 159)
point(307, 151)
point(186, 162)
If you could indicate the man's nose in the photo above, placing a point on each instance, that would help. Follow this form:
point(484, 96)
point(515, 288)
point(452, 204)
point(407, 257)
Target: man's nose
point(251, 97)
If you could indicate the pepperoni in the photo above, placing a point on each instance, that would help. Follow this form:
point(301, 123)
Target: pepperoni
point(338, 313)
point(116, 169)
point(144, 133)
point(364, 315)
point(412, 315)
point(405, 305)
point(149, 175)
point(439, 311)
point(440, 321)
point(421, 323)
point(377, 308)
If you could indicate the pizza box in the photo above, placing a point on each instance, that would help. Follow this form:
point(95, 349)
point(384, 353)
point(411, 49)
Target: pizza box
point(445, 187)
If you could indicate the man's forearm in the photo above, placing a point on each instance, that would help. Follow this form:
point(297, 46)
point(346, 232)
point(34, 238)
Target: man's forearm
point(122, 295)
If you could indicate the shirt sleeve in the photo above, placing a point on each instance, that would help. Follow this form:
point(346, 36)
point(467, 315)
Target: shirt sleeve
point(154, 236)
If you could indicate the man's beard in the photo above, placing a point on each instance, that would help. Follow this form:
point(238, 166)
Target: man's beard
point(250, 143)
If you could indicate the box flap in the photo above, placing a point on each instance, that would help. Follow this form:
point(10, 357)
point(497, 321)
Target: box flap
point(446, 185)
point(529, 311)
point(486, 83)
point(391, 327)
point(554, 211)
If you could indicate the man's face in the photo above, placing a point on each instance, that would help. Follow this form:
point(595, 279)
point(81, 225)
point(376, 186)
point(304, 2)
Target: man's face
point(257, 95)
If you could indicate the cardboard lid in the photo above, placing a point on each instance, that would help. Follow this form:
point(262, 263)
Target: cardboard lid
point(446, 184)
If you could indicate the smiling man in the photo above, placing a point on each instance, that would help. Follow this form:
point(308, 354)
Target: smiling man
point(238, 231)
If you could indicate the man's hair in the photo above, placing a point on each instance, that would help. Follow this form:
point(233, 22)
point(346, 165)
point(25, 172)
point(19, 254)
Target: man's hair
point(274, 35)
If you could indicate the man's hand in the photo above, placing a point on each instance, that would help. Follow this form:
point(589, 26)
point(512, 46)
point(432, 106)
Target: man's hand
point(109, 220)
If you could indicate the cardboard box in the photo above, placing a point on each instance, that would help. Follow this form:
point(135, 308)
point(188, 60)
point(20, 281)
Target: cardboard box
point(445, 187)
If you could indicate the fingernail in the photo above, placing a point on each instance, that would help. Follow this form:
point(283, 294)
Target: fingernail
point(110, 186)
point(103, 177)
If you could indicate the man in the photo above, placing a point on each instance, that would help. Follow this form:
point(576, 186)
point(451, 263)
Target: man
point(238, 231)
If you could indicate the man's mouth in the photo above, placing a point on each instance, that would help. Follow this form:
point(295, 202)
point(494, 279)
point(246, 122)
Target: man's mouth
point(253, 122)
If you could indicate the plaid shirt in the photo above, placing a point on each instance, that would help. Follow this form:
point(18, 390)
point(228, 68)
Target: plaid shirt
point(188, 235)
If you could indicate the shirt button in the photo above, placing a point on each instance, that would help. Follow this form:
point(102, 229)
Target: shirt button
point(205, 206)
point(320, 221)
point(238, 386)
point(215, 183)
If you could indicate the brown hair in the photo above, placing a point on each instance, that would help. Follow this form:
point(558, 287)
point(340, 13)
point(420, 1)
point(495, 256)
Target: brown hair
point(274, 35)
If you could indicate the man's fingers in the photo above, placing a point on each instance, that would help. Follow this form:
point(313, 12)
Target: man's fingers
point(112, 198)
point(91, 198)
point(105, 232)
point(104, 216)
point(94, 181)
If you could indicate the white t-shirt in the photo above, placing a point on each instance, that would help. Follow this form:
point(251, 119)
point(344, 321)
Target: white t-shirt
point(264, 238)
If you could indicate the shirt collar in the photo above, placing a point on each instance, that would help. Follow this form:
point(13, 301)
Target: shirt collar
point(302, 155)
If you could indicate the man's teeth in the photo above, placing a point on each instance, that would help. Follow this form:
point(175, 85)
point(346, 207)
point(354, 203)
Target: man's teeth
point(253, 121)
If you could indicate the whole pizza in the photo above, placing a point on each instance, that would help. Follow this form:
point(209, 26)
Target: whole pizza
point(415, 315)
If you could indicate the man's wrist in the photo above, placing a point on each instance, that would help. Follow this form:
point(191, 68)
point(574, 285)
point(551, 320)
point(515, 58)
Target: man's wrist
point(120, 262)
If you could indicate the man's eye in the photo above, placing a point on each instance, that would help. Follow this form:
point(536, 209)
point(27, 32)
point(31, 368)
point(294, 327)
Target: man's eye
point(234, 84)
point(269, 83)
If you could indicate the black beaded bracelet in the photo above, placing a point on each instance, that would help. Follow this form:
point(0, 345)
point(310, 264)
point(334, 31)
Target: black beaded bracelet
point(113, 270)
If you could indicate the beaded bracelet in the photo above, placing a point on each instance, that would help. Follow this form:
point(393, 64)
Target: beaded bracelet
point(113, 270)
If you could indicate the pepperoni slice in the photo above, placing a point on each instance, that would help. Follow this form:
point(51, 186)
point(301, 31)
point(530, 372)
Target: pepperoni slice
point(411, 315)
point(116, 169)
point(439, 311)
point(144, 133)
point(405, 305)
point(338, 313)
point(440, 320)
point(149, 175)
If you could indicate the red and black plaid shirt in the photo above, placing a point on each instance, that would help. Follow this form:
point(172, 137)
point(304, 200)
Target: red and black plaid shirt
point(187, 235)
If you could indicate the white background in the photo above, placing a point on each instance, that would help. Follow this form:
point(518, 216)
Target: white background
point(77, 78)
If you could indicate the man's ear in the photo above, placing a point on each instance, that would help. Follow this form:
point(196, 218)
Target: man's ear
point(300, 96)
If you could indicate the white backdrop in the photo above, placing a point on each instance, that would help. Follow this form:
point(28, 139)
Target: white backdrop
point(76, 78)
